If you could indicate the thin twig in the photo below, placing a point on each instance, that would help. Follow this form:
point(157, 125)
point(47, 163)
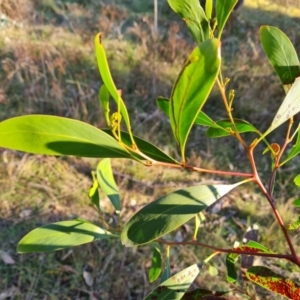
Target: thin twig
point(217, 249)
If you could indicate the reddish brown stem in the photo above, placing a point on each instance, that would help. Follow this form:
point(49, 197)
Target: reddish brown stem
point(280, 222)
point(201, 170)
point(285, 256)
point(286, 142)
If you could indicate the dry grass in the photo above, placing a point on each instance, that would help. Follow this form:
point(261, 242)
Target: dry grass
point(47, 66)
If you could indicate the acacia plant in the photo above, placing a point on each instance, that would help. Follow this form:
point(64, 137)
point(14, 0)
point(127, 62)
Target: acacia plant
point(51, 135)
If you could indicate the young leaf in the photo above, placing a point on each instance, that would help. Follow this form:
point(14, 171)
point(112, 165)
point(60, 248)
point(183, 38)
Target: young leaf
point(175, 287)
point(145, 147)
point(281, 54)
point(223, 11)
point(274, 282)
point(107, 183)
point(51, 135)
point(104, 101)
point(289, 107)
point(213, 271)
point(208, 8)
point(252, 247)
point(60, 235)
point(94, 194)
point(108, 81)
point(294, 225)
point(192, 88)
point(192, 13)
point(295, 149)
point(155, 268)
point(171, 211)
point(225, 128)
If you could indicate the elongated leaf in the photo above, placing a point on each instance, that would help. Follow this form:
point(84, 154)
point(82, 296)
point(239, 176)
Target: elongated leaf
point(155, 268)
point(294, 226)
point(289, 107)
point(231, 271)
point(192, 88)
point(201, 119)
point(208, 8)
point(145, 147)
point(104, 102)
point(294, 151)
point(51, 135)
point(167, 271)
point(274, 282)
point(107, 79)
point(193, 15)
point(107, 183)
point(171, 211)
point(223, 11)
point(94, 194)
point(204, 120)
point(60, 235)
point(175, 287)
point(281, 54)
point(252, 247)
point(226, 128)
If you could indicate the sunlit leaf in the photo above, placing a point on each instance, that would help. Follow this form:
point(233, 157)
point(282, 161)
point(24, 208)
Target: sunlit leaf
point(175, 287)
point(193, 15)
point(208, 8)
point(281, 54)
point(155, 268)
point(297, 180)
point(107, 183)
point(192, 88)
point(104, 101)
point(145, 147)
point(60, 235)
point(212, 270)
point(295, 149)
point(223, 11)
point(294, 226)
point(107, 79)
point(201, 119)
point(163, 103)
point(274, 282)
point(251, 247)
point(51, 135)
point(171, 211)
point(289, 107)
point(93, 192)
point(225, 128)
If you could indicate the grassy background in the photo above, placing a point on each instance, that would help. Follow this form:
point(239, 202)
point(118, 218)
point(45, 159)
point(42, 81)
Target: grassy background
point(47, 65)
